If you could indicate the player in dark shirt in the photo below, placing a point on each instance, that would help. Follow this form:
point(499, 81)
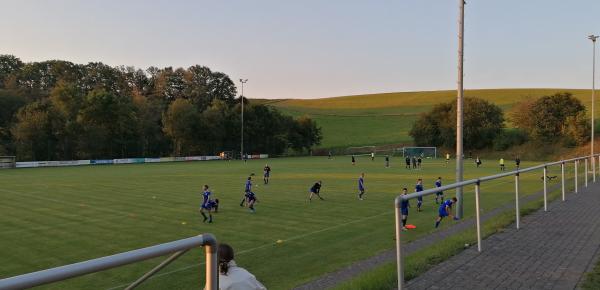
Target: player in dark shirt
point(407, 160)
point(418, 188)
point(353, 160)
point(387, 161)
point(266, 173)
point(414, 162)
point(518, 162)
point(419, 160)
point(315, 190)
point(439, 194)
point(404, 209)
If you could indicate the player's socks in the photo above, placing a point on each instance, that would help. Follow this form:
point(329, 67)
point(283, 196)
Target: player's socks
point(242, 203)
point(403, 222)
point(437, 224)
point(205, 218)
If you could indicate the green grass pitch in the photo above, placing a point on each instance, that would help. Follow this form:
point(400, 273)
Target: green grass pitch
point(56, 216)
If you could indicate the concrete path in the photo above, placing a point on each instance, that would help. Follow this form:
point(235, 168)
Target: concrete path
point(552, 250)
point(332, 279)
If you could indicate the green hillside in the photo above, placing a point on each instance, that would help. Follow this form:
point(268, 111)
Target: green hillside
point(377, 119)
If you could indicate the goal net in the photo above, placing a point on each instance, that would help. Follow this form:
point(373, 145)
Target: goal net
point(424, 152)
point(7, 162)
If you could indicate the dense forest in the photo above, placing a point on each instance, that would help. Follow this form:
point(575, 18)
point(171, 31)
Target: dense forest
point(59, 110)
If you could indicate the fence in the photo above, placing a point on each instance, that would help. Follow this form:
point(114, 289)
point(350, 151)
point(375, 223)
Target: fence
point(178, 247)
point(477, 182)
point(33, 164)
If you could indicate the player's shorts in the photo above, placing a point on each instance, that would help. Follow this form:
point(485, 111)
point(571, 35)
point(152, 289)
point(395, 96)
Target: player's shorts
point(404, 211)
point(420, 199)
point(205, 206)
point(266, 174)
point(442, 212)
point(439, 193)
point(251, 198)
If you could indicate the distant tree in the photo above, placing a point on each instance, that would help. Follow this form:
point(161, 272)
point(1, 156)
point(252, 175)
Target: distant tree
point(545, 119)
point(180, 123)
point(109, 125)
point(33, 132)
point(482, 122)
point(9, 65)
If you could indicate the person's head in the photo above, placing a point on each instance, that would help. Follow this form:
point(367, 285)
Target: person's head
point(419, 180)
point(454, 199)
point(319, 182)
point(266, 165)
point(206, 187)
point(404, 191)
point(249, 177)
point(225, 255)
point(440, 178)
point(362, 174)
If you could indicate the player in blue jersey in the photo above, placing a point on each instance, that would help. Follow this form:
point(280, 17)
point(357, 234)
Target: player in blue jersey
point(206, 205)
point(266, 173)
point(404, 209)
point(361, 186)
point(251, 200)
point(315, 190)
point(418, 188)
point(445, 210)
point(247, 189)
point(439, 194)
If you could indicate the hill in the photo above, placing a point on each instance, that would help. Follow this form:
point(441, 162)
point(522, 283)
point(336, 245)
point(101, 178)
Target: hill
point(377, 119)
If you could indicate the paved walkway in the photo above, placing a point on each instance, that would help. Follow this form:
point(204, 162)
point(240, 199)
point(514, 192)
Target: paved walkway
point(552, 250)
point(332, 279)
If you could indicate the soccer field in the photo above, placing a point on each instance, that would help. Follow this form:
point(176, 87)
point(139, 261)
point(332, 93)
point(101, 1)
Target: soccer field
point(56, 216)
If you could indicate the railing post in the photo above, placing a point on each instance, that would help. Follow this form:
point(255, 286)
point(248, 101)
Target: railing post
point(399, 262)
point(477, 215)
point(586, 172)
point(576, 163)
point(212, 268)
point(545, 188)
point(593, 165)
point(562, 171)
point(517, 199)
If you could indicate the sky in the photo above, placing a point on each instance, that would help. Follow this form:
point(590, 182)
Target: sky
point(316, 48)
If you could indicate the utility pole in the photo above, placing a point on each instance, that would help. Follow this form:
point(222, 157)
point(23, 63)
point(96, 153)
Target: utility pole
point(459, 110)
point(593, 39)
point(243, 81)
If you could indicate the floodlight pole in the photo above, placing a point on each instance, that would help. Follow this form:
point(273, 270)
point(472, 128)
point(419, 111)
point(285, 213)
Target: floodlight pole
point(242, 100)
point(593, 39)
point(459, 110)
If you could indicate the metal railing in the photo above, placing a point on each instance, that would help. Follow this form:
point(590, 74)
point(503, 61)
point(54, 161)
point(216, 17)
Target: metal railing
point(477, 182)
point(178, 247)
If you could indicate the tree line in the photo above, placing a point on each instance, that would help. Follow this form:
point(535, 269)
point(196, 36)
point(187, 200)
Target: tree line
point(554, 119)
point(58, 110)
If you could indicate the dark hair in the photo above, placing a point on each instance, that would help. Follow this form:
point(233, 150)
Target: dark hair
point(454, 198)
point(404, 188)
point(225, 255)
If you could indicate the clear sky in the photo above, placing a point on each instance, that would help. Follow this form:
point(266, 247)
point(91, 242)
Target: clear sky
point(318, 48)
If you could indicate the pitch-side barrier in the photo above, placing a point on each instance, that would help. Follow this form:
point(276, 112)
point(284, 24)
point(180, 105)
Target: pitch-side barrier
point(176, 248)
point(477, 182)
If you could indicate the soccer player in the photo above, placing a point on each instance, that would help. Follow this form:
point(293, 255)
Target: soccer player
point(439, 194)
point(372, 156)
point(407, 159)
point(478, 162)
point(353, 160)
point(266, 173)
point(245, 157)
point(251, 200)
point(518, 161)
point(361, 186)
point(419, 160)
point(447, 158)
point(414, 162)
point(329, 155)
point(387, 161)
point(404, 209)
point(502, 164)
point(247, 190)
point(315, 190)
point(418, 188)
point(206, 204)
point(445, 210)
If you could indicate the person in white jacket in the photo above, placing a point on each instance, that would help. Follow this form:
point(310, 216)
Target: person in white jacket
point(232, 277)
